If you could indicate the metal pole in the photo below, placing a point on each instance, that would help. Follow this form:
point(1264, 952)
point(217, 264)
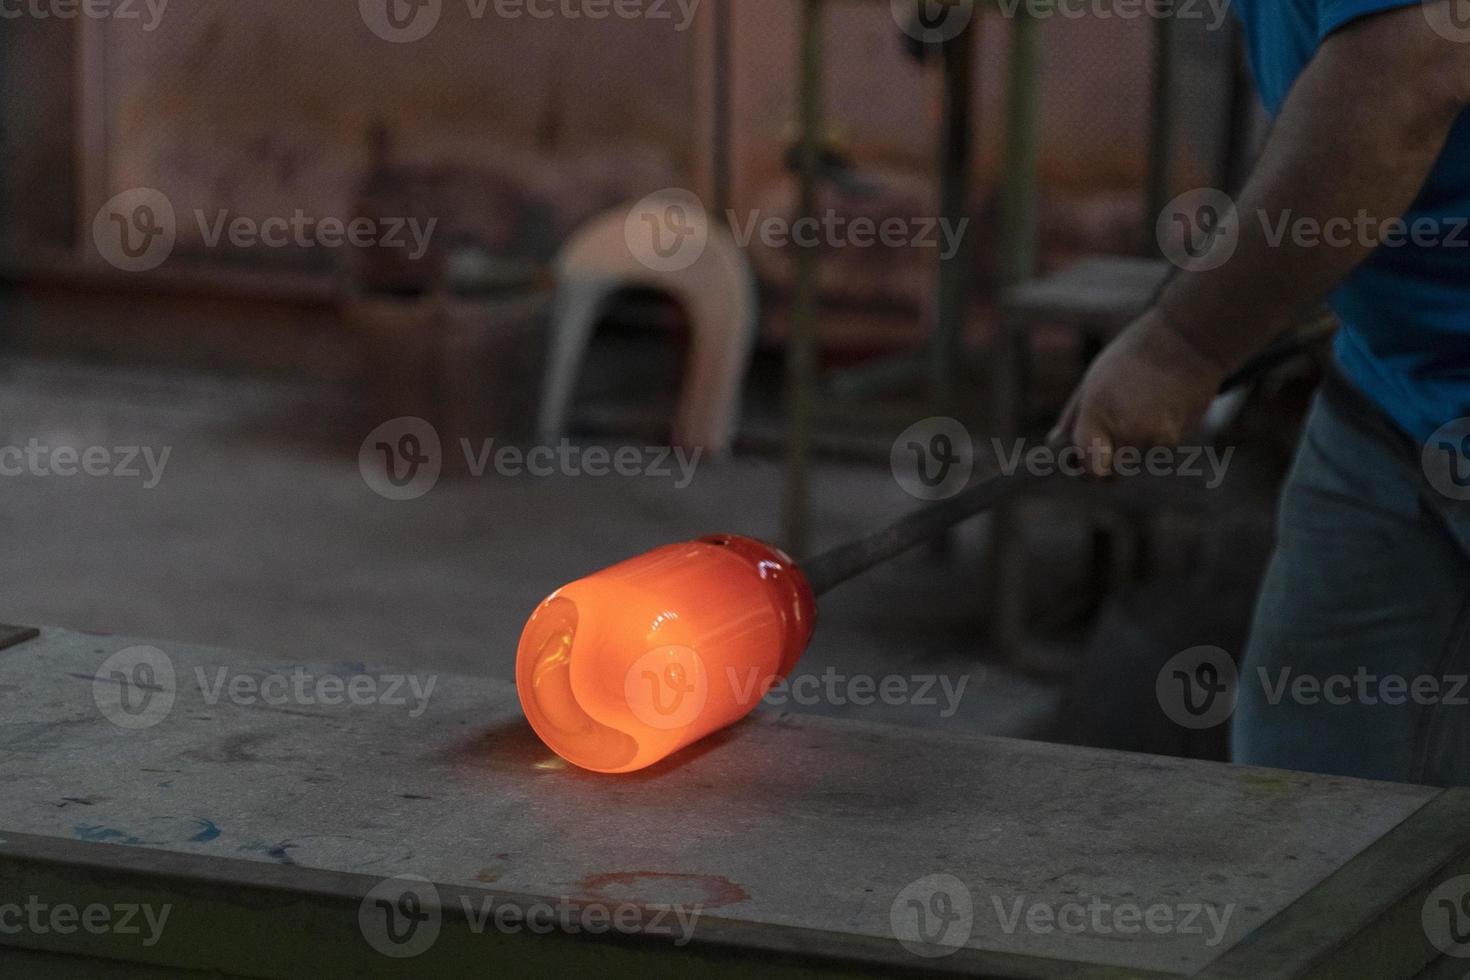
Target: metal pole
point(955, 271)
point(801, 355)
point(1023, 99)
point(1161, 131)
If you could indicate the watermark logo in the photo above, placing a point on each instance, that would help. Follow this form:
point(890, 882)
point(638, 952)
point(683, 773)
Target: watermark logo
point(136, 231)
point(1446, 917)
point(135, 688)
point(37, 459)
point(1215, 12)
point(933, 21)
point(832, 229)
point(120, 10)
point(401, 459)
point(933, 459)
point(1198, 688)
point(673, 463)
point(1450, 19)
point(1099, 916)
point(401, 916)
point(650, 10)
point(667, 688)
point(303, 688)
point(668, 230)
point(933, 916)
point(412, 236)
point(833, 688)
point(40, 918)
point(1446, 459)
point(401, 21)
point(1204, 463)
point(1198, 230)
point(1364, 687)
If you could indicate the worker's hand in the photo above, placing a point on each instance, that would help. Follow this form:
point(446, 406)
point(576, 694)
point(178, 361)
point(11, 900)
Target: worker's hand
point(1148, 388)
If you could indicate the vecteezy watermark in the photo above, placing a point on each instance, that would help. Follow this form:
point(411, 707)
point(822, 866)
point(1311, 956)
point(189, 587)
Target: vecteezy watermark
point(401, 21)
point(36, 917)
point(1364, 686)
point(933, 916)
point(668, 230)
point(835, 688)
point(933, 459)
point(1106, 918)
point(674, 463)
point(1214, 12)
point(411, 235)
point(932, 21)
point(1450, 19)
point(1200, 230)
point(937, 914)
point(402, 459)
point(137, 687)
point(1446, 917)
point(667, 688)
point(402, 917)
point(1446, 459)
point(118, 462)
point(149, 12)
point(298, 686)
point(406, 21)
point(1198, 687)
point(680, 13)
point(834, 230)
point(1189, 462)
point(136, 230)
point(139, 229)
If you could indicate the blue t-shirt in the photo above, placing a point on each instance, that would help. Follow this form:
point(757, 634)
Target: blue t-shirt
point(1406, 310)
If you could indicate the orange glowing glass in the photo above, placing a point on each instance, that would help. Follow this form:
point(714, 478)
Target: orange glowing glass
point(627, 666)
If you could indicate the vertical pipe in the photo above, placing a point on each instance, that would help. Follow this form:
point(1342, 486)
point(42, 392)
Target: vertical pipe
point(1018, 195)
point(1161, 128)
point(955, 273)
point(1019, 256)
point(801, 339)
point(724, 41)
point(93, 178)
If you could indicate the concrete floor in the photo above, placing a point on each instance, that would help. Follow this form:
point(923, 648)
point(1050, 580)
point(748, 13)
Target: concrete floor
point(263, 535)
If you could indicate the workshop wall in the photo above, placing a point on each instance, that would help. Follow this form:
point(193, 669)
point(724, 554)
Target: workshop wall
point(268, 106)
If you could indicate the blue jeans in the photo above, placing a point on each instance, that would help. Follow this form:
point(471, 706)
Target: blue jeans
point(1360, 649)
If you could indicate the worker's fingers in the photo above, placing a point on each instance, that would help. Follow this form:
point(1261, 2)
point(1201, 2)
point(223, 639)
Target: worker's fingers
point(1093, 436)
point(1060, 436)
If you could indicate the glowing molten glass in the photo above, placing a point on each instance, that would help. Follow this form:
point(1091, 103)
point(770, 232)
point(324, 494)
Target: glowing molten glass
point(627, 666)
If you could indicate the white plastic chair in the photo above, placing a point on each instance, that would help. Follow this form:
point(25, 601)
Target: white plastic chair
point(717, 292)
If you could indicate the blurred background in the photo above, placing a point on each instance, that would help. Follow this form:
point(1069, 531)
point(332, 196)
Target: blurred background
point(251, 242)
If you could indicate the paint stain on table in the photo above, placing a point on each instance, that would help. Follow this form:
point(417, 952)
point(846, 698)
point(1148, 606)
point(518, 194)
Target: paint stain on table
point(664, 888)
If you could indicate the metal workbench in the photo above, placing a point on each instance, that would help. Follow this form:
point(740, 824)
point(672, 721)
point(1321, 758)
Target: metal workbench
point(272, 825)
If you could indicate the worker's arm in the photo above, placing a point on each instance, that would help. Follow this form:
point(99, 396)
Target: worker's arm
point(1360, 130)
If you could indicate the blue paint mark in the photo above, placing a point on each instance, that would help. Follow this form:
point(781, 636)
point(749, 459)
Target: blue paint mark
point(207, 832)
point(166, 784)
point(99, 833)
